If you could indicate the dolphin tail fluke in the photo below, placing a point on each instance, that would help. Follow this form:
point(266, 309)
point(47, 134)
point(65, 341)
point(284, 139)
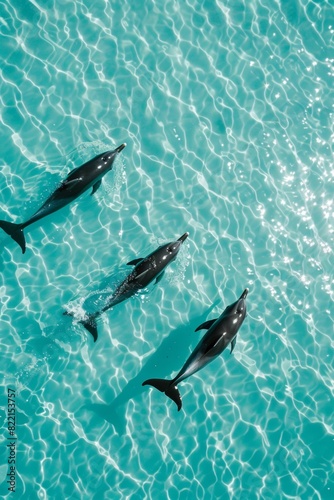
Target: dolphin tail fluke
point(15, 231)
point(89, 323)
point(166, 387)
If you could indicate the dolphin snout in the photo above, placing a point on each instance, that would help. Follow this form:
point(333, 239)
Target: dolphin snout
point(120, 148)
point(183, 237)
point(244, 294)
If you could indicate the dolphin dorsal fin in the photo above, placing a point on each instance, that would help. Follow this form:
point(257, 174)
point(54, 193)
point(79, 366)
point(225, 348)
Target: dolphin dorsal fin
point(134, 262)
point(206, 325)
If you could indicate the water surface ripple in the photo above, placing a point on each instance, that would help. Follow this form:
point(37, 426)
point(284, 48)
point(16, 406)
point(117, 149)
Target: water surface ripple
point(227, 110)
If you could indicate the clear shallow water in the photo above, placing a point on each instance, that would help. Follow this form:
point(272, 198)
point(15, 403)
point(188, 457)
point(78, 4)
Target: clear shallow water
point(227, 110)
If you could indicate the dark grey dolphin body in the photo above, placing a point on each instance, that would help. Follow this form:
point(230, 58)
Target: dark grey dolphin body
point(221, 332)
point(145, 271)
point(76, 183)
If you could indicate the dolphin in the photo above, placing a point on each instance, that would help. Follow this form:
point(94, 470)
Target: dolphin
point(76, 183)
point(145, 271)
point(221, 332)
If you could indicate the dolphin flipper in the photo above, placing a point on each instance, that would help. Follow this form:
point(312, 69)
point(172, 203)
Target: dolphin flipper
point(168, 388)
point(159, 278)
point(234, 341)
point(96, 187)
point(206, 325)
point(15, 231)
point(134, 262)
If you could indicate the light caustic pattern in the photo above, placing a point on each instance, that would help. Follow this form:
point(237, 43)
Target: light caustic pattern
point(227, 111)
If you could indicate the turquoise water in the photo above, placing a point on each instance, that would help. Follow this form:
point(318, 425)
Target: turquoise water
point(227, 111)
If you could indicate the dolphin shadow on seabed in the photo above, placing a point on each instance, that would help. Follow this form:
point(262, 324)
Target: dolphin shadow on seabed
point(175, 347)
